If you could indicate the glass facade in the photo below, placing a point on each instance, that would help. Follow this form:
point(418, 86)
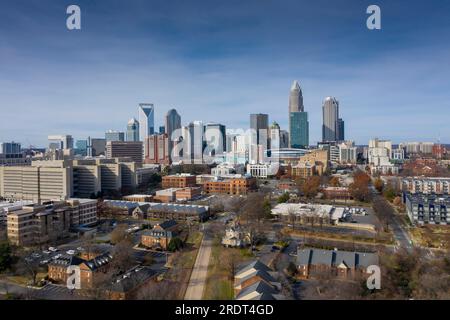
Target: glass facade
point(299, 130)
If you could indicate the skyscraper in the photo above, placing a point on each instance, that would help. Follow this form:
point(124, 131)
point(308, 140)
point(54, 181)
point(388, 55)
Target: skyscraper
point(299, 130)
point(259, 142)
point(296, 98)
point(216, 131)
point(146, 120)
point(133, 130)
point(340, 130)
point(173, 122)
point(330, 110)
point(298, 119)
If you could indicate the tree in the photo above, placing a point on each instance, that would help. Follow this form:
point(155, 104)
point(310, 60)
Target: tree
point(310, 187)
point(123, 257)
point(389, 193)
point(175, 244)
point(119, 233)
point(283, 198)
point(28, 268)
point(5, 256)
point(334, 182)
point(378, 184)
point(267, 208)
point(359, 189)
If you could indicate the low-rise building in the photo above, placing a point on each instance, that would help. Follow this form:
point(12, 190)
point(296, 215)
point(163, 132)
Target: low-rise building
point(235, 237)
point(166, 211)
point(232, 186)
point(182, 180)
point(189, 193)
point(158, 238)
point(427, 208)
point(256, 281)
point(339, 193)
point(34, 224)
point(306, 212)
point(139, 198)
point(313, 262)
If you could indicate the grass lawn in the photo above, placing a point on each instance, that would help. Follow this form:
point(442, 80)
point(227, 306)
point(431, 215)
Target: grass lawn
point(23, 280)
point(219, 285)
point(433, 236)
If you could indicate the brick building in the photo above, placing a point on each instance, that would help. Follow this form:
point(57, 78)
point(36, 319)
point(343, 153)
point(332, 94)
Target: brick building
point(159, 237)
point(179, 181)
point(234, 186)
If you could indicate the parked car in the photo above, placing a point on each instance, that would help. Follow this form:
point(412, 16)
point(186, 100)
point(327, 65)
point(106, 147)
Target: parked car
point(46, 252)
point(80, 249)
point(53, 249)
point(71, 252)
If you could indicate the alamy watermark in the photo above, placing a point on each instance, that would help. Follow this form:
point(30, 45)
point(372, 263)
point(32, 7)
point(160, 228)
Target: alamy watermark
point(73, 21)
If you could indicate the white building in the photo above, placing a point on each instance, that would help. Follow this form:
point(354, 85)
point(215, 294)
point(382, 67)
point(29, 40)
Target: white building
point(347, 152)
point(262, 170)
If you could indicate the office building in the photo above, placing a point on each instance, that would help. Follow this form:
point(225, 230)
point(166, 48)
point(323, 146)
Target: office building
point(112, 135)
point(347, 152)
point(60, 142)
point(96, 147)
point(146, 120)
point(215, 138)
point(231, 186)
point(10, 148)
point(173, 126)
point(133, 130)
point(157, 149)
point(193, 143)
point(11, 155)
point(259, 142)
point(340, 135)
point(299, 130)
point(162, 130)
point(298, 119)
point(42, 181)
point(120, 149)
point(333, 126)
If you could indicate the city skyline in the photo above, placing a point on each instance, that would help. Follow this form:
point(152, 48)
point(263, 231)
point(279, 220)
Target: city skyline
point(222, 66)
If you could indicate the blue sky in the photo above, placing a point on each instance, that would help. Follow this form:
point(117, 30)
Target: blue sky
point(222, 60)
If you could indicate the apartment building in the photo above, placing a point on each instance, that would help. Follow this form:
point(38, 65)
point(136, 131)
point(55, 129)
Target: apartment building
point(232, 186)
point(34, 224)
point(427, 185)
point(182, 180)
point(427, 208)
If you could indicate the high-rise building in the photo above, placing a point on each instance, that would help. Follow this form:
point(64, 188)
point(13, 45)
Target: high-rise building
point(330, 111)
point(146, 120)
point(157, 149)
point(96, 147)
point(296, 98)
point(130, 149)
point(299, 130)
point(60, 142)
point(298, 119)
point(173, 124)
point(112, 135)
point(215, 137)
point(193, 142)
point(133, 130)
point(10, 148)
point(162, 130)
point(340, 135)
point(259, 142)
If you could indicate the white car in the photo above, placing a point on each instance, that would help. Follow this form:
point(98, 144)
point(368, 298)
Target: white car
point(52, 249)
point(80, 249)
point(57, 256)
point(46, 252)
point(71, 252)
